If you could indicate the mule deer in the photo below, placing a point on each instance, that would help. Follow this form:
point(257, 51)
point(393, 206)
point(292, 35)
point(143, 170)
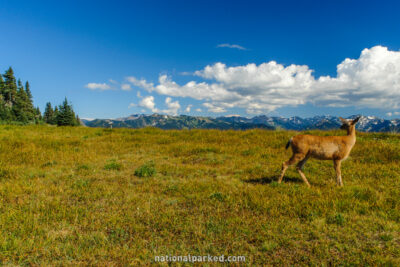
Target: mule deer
point(336, 148)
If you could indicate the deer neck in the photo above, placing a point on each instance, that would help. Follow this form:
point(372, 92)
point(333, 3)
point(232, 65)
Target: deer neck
point(352, 133)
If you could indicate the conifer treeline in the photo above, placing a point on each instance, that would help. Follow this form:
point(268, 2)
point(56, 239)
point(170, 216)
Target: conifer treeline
point(63, 115)
point(16, 105)
point(16, 101)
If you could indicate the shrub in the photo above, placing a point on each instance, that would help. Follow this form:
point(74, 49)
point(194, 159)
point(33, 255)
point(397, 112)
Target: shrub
point(146, 170)
point(83, 167)
point(269, 246)
point(113, 166)
point(218, 196)
point(49, 164)
point(338, 219)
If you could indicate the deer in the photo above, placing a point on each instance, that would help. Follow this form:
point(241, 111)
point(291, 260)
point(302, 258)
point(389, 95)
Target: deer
point(336, 148)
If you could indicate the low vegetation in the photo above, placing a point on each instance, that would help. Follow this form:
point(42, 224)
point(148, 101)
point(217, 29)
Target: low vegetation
point(87, 196)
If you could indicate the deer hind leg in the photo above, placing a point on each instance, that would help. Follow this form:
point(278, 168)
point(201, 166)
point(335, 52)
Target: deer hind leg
point(299, 168)
point(301, 163)
point(295, 158)
point(337, 163)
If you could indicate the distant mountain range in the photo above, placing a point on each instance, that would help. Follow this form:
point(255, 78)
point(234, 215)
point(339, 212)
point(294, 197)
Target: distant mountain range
point(365, 124)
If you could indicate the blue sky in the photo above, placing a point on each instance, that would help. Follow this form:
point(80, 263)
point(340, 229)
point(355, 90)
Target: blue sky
point(115, 58)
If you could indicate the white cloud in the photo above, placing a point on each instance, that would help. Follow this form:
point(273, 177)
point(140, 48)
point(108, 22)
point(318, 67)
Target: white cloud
point(232, 46)
point(198, 109)
point(98, 86)
point(213, 108)
point(148, 103)
point(126, 87)
point(187, 109)
point(140, 83)
point(371, 81)
point(390, 114)
point(173, 107)
point(255, 88)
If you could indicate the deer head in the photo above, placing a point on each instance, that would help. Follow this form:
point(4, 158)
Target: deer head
point(349, 126)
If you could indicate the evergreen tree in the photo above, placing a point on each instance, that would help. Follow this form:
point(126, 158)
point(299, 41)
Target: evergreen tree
point(38, 115)
point(66, 115)
point(1, 86)
point(49, 115)
point(20, 86)
point(21, 107)
point(10, 87)
point(5, 111)
point(16, 104)
point(28, 90)
point(55, 116)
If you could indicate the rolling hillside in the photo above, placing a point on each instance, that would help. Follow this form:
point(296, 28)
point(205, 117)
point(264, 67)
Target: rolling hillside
point(101, 197)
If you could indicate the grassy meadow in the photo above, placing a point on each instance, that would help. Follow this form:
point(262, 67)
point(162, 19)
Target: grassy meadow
point(88, 196)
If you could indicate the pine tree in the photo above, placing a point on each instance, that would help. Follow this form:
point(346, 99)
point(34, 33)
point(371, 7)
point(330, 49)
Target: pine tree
point(1, 86)
point(16, 104)
point(10, 87)
point(38, 115)
point(21, 108)
point(55, 116)
point(5, 111)
point(66, 115)
point(28, 90)
point(49, 116)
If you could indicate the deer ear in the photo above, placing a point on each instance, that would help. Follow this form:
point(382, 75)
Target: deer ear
point(355, 120)
point(343, 120)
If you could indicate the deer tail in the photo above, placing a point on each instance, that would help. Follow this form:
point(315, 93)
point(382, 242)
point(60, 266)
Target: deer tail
point(289, 142)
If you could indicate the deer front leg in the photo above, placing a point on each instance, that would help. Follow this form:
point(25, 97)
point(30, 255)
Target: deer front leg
point(303, 176)
point(337, 164)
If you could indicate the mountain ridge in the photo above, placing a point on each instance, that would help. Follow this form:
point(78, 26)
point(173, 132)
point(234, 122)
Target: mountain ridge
point(365, 124)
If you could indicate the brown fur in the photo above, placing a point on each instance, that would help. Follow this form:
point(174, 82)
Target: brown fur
point(336, 148)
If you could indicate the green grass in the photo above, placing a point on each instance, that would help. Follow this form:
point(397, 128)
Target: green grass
point(146, 170)
point(77, 196)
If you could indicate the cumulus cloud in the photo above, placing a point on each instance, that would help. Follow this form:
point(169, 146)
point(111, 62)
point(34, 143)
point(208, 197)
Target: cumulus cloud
point(98, 86)
point(255, 88)
point(214, 108)
point(140, 83)
point(148, 103)
point(126, 87)
point(371, 81)
point(235, 46)
point(390, 114)
point(173, 107)
point(187, 109)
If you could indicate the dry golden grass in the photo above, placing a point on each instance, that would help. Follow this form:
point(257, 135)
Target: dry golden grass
point(69, 196)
